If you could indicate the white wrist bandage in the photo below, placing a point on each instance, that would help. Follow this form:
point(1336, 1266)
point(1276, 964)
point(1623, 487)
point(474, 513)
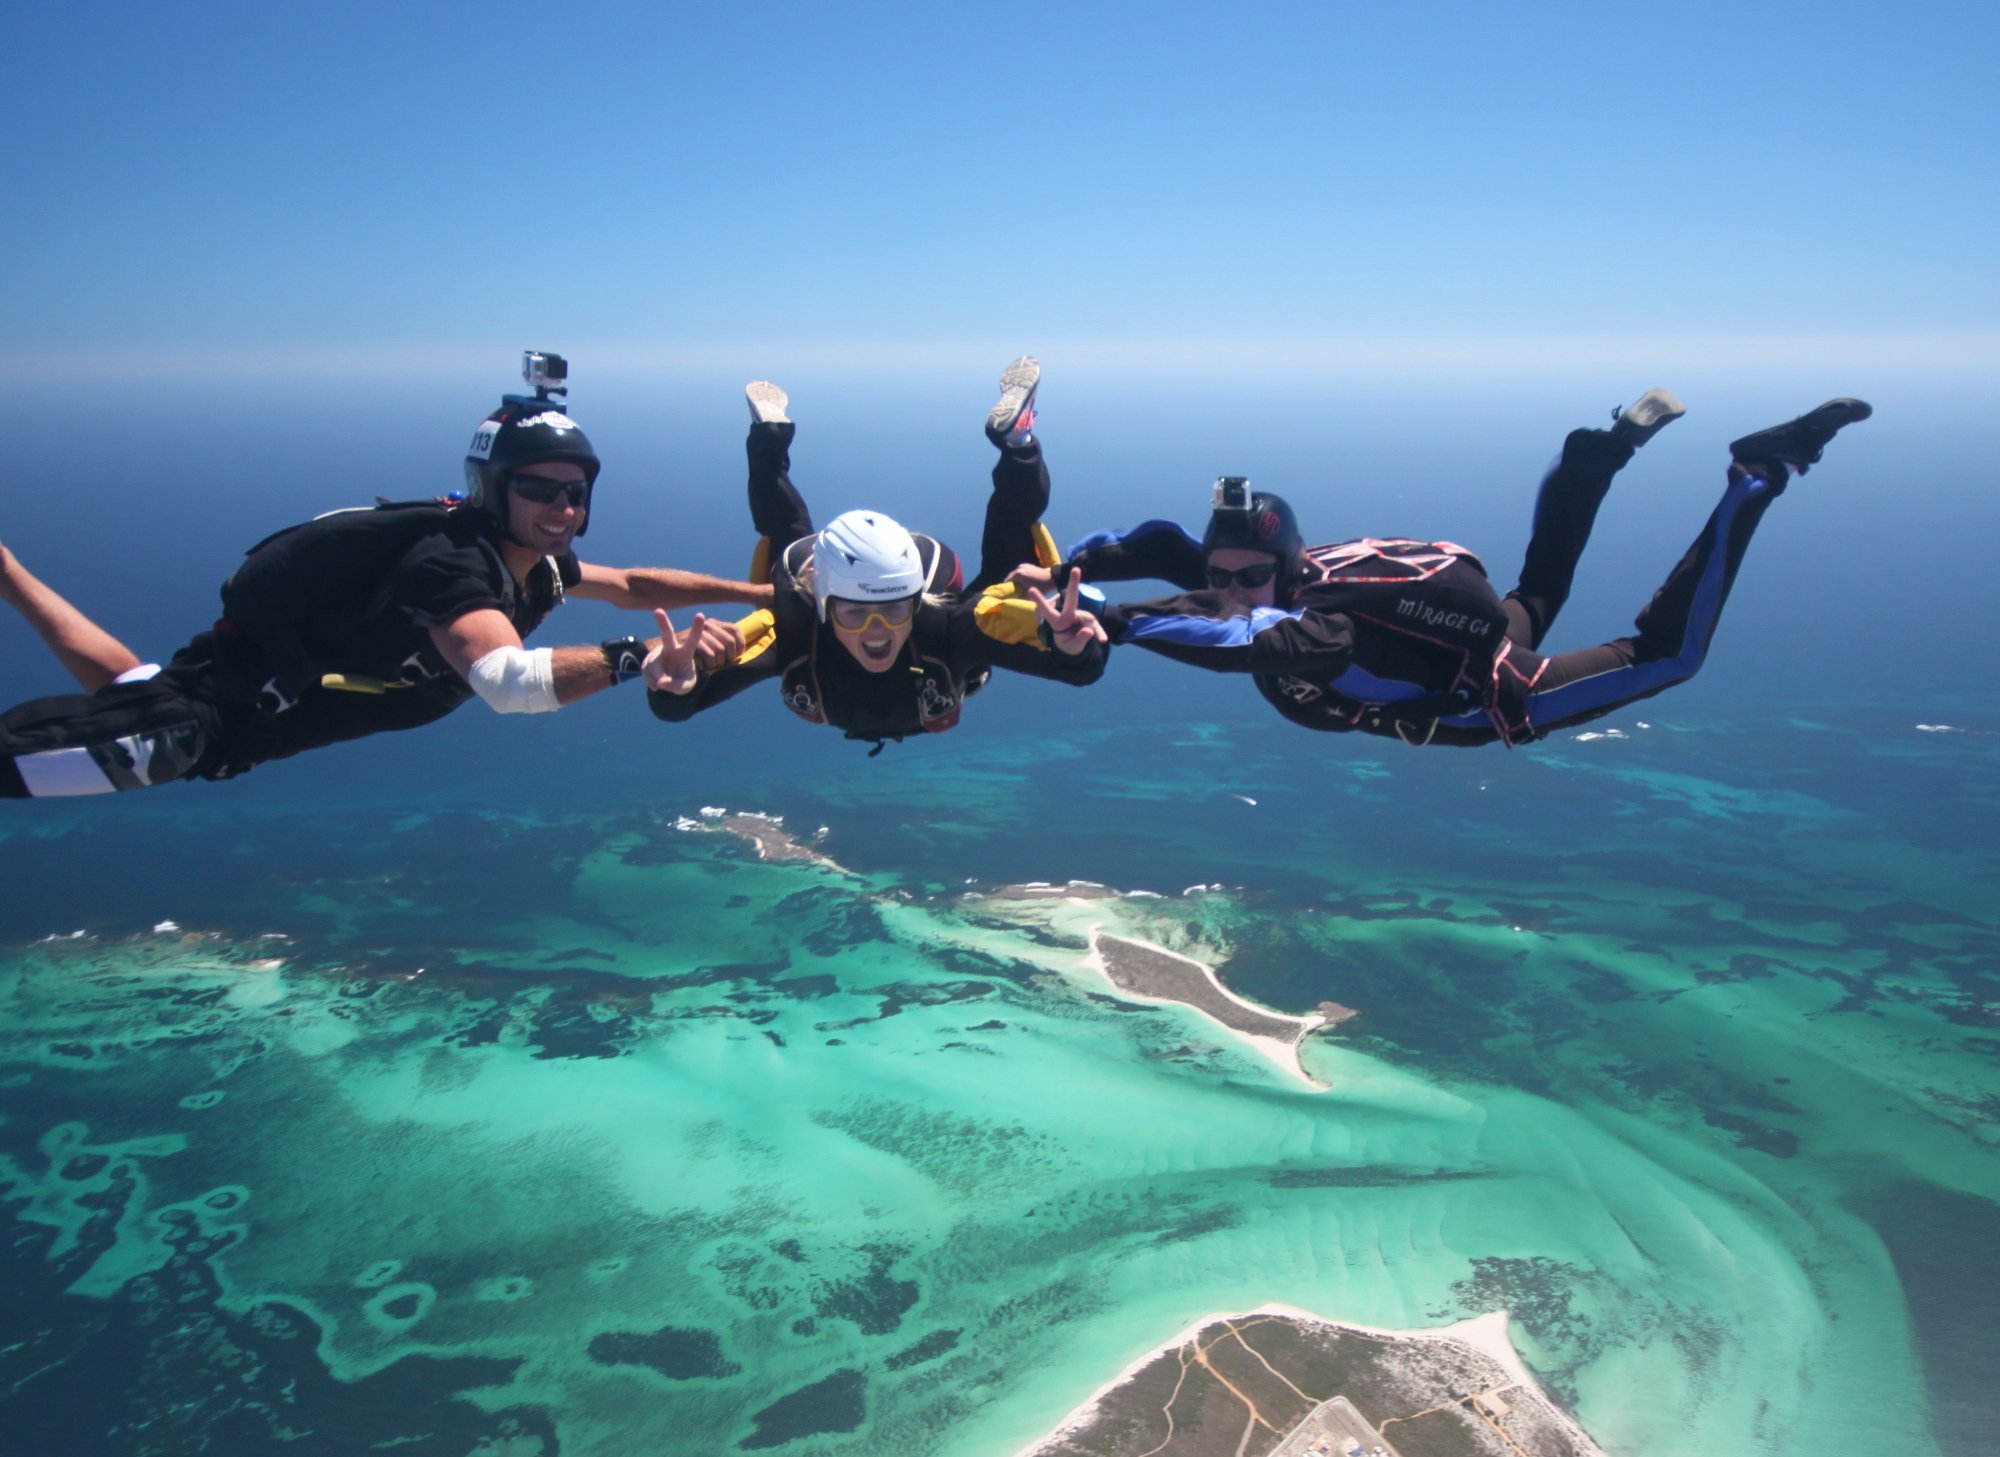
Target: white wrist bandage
point(516, 680)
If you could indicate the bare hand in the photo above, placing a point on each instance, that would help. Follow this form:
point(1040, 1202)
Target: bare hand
point(670, 666)
point(717, 644)
point(1032, 574)
point(1072, 628)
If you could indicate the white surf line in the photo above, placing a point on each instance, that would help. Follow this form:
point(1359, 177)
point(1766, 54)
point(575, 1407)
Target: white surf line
point(1486, 1334)
point(1282, 1055)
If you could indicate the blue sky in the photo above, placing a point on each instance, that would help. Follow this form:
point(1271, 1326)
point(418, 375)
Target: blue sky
point(1380, 258)
point(288, 189)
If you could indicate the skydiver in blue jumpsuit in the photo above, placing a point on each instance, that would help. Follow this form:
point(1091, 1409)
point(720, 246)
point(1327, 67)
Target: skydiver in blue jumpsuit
point(1408, 639)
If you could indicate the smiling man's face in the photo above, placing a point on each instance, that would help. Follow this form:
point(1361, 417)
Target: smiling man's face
point(547, 526)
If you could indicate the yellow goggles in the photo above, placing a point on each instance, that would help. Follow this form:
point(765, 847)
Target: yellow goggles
point(855, 616)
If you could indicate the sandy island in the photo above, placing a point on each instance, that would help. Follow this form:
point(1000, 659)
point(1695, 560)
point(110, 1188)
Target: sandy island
point(1143, 972)
point(1465, 1381)
point(1133, 969)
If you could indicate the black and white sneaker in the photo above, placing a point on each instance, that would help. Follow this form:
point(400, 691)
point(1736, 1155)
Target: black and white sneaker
point(768, 403)
point(1646, 417)
point(1798, 443)
point(1011, 422)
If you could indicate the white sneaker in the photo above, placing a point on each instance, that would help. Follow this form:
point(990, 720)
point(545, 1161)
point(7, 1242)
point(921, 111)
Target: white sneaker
point(767, 402)
point(1011, 420)
point(1646, 417)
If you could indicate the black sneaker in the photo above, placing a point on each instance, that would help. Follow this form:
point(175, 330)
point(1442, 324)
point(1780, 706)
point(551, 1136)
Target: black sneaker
point(1011, 420)
point(1646, 417)
point(1798, 443)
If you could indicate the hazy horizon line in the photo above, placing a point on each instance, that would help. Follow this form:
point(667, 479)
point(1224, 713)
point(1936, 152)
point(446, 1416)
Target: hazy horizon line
point(1973, 352)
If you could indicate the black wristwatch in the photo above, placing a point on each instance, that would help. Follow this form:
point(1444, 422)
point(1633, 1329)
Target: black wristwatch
point(624, 656)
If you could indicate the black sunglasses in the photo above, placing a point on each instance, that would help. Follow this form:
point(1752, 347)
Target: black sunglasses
point(541, 490)
point(1221, 577)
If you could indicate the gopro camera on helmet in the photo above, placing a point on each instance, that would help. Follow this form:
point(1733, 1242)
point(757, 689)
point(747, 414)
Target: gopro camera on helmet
point(547, 374)
point(1232, 493)
point(1247, 520)
point(527, 430)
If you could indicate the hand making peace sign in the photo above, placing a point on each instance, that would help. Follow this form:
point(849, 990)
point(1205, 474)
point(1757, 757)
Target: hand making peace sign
point(671, 667)
point(1072, 628)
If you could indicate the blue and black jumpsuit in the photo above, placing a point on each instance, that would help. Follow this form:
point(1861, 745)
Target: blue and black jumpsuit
point(1409, 640)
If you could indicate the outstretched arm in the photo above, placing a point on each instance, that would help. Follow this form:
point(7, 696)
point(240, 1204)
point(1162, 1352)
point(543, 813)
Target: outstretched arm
point(486, 651)
point(645, 589)
point(1207, 630)
point(1157, 550)
point(93, 656)
point(1029, 632)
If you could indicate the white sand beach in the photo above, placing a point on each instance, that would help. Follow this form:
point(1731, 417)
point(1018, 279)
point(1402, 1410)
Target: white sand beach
point(1281, 1051)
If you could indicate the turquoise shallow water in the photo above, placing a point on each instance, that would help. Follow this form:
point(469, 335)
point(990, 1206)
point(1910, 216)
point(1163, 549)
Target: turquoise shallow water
point(568, 1126)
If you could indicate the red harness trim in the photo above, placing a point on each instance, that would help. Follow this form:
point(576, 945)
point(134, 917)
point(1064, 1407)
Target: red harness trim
point(1522, 729)
point(1431, 558)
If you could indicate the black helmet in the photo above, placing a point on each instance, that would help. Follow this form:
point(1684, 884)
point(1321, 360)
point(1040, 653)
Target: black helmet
point(527, 430)
point(1254, 521)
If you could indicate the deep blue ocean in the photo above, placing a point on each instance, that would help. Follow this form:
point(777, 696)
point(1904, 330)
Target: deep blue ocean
point(1779, 837)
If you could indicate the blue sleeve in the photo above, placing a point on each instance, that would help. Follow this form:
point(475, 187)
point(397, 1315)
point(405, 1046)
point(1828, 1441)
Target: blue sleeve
point(1205, 630)
point(1152, 550)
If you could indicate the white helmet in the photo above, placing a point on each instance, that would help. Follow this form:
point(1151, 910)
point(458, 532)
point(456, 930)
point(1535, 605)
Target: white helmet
point(863, 556)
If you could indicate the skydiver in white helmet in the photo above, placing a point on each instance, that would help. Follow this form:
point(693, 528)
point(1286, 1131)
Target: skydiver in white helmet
point(872, 628)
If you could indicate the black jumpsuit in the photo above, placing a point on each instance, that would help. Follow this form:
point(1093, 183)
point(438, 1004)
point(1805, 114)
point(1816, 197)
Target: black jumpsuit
point(963, 630)
point(232, 699)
